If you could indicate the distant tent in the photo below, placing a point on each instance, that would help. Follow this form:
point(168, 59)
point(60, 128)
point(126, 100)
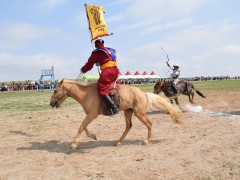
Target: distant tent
point(145, 75)
point(120, 76)
point(153, 75)
point(129, 75)
point(138, 75)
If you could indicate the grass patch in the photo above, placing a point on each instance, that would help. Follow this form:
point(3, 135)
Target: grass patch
point(217, 85)
point(20, 102)
point(28, 101)
point(224, 85)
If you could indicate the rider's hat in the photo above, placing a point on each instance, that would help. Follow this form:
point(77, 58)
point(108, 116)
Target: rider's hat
point(99, 41)
point(175, 65)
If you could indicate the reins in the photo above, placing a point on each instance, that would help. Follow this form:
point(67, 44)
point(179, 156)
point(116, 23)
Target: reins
point(172, 97)
point(62, 96)
point(79, 77)
point(76, 80)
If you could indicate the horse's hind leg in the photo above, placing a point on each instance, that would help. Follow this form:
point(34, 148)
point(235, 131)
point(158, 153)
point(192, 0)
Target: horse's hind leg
point(191, 95)
point(89, 134)
point(128, 118)
point(176, 100)
point(88, 119)
point(142, 117)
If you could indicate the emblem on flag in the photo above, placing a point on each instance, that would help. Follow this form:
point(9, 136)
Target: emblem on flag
point(97, 25)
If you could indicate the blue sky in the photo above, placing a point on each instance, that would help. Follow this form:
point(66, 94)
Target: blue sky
point(202, 36)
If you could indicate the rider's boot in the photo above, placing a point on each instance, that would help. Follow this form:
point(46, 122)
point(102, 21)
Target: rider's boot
point(174, 88)
point(111, 106)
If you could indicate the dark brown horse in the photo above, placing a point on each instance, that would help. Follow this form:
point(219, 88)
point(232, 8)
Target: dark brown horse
point(183, 87)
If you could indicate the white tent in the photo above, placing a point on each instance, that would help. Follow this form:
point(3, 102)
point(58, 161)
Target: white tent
point(153, 75)
point(138, 75)
point(129, 75)
point(145, 75)
point(122, 77)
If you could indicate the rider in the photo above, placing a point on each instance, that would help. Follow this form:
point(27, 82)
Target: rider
point(175, 74)
point(106, 58)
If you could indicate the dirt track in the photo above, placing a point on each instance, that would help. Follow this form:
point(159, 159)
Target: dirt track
point(205, 146)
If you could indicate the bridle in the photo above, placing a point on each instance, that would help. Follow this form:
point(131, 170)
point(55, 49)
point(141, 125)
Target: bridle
point(59, 99)
point(55, 91)
point(159, 84)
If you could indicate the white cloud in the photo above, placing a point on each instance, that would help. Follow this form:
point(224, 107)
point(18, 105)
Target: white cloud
point(6, 45)
point(22, 31)
point(52, 3)
point(197, 49)
point(205, 36)
point(169, 25)
point(164, 9)
point(26, 67)
point(17, 35)
point(150, 17)
point(117, 3)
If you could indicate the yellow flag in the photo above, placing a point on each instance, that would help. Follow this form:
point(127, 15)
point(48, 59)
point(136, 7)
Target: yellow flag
point(96, 21)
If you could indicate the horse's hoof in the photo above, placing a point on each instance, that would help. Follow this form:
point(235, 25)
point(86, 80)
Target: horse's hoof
point(73, 146)
point(145, 142)
point(118, 144)
point(94, 137)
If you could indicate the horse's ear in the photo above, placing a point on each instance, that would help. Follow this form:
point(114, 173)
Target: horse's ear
point(60, 83)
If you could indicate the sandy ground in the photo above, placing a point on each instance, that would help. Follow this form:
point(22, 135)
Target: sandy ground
point(206, 145)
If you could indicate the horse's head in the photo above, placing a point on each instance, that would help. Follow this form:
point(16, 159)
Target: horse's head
point(157, 87)
point(59, 96)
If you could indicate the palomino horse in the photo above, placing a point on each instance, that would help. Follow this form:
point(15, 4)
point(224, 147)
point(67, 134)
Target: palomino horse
point(132, 101)
point(184, 87)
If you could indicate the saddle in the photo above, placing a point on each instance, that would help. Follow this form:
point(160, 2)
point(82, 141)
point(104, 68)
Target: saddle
point(114, 92)
point(176, 87)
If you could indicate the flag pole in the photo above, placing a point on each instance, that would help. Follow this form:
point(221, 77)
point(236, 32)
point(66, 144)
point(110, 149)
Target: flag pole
point(90, 34)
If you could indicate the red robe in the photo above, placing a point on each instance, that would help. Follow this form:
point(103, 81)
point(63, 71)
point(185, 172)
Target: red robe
point(107, 76)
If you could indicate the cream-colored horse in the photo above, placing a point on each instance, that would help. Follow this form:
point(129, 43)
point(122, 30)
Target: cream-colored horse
point(132, 101)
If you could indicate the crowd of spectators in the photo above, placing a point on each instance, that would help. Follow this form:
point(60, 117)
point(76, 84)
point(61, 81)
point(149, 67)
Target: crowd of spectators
point(27, 85)
point(40, 85)
point(201, 78)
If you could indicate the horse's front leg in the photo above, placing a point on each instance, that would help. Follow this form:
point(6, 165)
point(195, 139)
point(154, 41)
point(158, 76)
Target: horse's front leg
point(88, 119)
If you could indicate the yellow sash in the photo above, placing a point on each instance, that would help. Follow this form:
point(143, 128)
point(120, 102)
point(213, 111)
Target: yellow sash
point(108, 64)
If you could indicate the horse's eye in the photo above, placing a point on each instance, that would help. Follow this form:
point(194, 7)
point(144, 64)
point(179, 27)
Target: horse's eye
point(55, 91)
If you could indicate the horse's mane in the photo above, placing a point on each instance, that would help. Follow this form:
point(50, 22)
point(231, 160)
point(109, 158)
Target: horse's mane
point(163, 83)
point(82, 84)
point(86, 84)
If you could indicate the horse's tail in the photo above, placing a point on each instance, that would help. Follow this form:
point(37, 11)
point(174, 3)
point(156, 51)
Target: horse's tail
point(161, 102)
point(198, 92)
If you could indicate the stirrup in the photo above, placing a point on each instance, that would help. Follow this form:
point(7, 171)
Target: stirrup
point(111, 112)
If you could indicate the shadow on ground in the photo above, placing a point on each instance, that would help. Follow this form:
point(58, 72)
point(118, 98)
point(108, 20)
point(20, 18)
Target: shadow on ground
point(64, 147)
